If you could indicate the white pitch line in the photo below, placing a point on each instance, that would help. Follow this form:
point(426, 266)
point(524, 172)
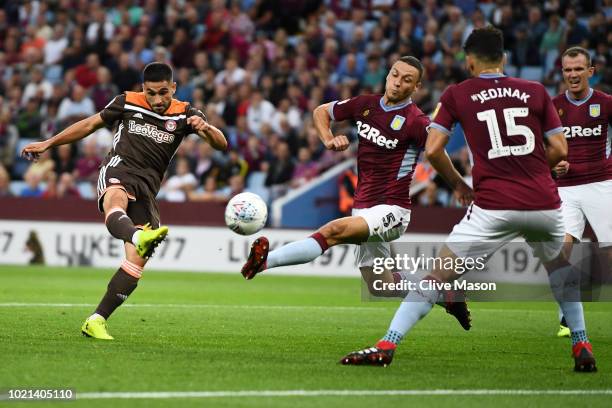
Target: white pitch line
point(195, 306)
point(329, 393)
point(261, 307)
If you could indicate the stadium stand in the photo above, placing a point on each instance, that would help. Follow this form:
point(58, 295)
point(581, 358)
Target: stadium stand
point(257, 68)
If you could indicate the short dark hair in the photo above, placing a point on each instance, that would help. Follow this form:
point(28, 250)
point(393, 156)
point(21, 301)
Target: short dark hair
point(486, 44)
point(576, 51)
point(415, 62)
point(157, 72)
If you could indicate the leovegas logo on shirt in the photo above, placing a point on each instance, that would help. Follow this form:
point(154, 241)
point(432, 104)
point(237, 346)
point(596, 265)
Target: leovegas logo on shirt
point(372, 134)
point(579, 131)
point(150, 131)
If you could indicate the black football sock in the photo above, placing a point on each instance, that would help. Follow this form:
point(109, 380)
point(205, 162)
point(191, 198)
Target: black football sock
point(120, 225)
point(121, 285)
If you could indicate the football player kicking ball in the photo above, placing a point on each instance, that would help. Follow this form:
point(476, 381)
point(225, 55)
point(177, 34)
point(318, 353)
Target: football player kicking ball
point(505, 121)
point(149, 127)
point(585, 178)
point(392, 132)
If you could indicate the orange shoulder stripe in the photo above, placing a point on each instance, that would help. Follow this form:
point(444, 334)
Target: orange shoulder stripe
point(176, 107)
point(139, 99)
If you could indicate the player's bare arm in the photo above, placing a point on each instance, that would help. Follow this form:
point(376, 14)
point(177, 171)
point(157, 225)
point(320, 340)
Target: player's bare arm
point(437, 156)
point(556, 150)
point(71, 134)
point(211, 134)
point(322, 122)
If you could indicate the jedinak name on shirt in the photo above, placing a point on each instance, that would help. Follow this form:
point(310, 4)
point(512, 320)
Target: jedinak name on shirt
point(151, 131)
point(494, 93)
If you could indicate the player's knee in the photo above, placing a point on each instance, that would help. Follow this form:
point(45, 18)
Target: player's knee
point(115, 198)
point(332, 232)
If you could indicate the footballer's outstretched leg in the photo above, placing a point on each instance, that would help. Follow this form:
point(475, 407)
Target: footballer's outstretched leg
point(256, 262)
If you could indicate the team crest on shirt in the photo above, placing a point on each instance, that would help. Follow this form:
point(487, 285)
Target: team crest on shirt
point(397, 122)
point(594, 110)
point(170, 125)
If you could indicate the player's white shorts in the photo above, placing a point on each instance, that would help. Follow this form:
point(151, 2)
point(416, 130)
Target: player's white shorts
point(592, 201)
point(387, 223)
point(482, 232)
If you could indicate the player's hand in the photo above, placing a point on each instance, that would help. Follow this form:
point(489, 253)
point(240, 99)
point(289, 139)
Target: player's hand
point(33, 151)
point(338, 143)
point(561, 168)
point(464, 193)
point(197, 123)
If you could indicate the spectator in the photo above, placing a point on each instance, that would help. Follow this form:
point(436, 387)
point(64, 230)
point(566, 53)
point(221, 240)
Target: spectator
point(234, 186)
point(5, 182)
point(305, 169)
point(576, 33)
point(32, 188)
point(207, 193)
point(178, 186)
point(260, 111)
point(29, 120)
point(104, 90)
point(38, 87)
point(551, 40)
point(184, 88)
point(254, 153)
point(86, 168)
point(75, 107)
point(126, 78)
point(235, 165)
point(65, 187)
point(8, 138)
point(64, 158)
point(86, 74)
point(140, 55)
point(281, 168)
point(182, 49)
point(101, 28)
point(55, 46)
point(42, 167)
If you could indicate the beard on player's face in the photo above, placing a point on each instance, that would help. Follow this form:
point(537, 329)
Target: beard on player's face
point(159, 95)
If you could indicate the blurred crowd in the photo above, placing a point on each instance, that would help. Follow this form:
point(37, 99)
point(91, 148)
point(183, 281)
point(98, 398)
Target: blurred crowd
point(257, 68)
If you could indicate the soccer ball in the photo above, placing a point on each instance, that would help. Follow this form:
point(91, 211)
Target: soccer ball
point(246, 213)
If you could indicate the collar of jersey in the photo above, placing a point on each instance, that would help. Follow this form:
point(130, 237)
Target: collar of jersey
point(396, 107)
point(491, 75)
point(579, 101)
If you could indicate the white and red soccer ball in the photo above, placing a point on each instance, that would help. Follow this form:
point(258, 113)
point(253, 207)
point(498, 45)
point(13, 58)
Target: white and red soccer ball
point(246, 213)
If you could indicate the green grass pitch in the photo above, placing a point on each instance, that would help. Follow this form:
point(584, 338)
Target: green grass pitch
point(216, 332)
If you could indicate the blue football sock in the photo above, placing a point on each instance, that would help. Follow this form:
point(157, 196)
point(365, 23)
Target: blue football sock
point(414, 307)
point(294, 253)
